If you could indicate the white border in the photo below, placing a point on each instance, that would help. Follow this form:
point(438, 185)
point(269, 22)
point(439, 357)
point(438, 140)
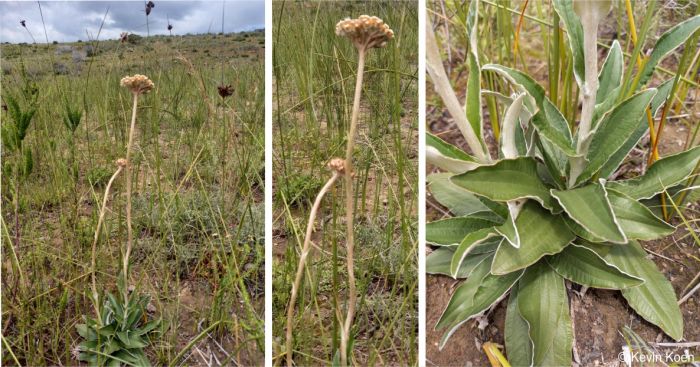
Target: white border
point(268, 182)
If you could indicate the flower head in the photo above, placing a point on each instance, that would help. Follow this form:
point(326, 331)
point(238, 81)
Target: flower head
point(338, 165)
point(138, 84)
point(225, 90)
point(149, 5)
point(121, 162)
point(365, 32)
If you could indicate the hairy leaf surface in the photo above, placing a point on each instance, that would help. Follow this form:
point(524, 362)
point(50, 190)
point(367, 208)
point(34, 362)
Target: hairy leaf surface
point(540, 233)
point(544, 305)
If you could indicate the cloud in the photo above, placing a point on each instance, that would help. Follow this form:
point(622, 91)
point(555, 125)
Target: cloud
point(69, 21)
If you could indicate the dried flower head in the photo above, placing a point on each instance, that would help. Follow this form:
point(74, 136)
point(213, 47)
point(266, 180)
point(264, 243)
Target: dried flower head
point(149, 5)
point(365, 32)
point(121, 162)
point(337, 164)
point(23, 23)
point(123, 37)
point(225, 90)
point(138, 84)
point(170, 27)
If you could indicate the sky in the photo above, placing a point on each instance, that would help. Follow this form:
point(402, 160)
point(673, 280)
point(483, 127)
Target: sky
point(69, 21)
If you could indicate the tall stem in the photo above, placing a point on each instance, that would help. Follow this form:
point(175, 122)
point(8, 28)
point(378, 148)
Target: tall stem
point(129, 235)
point(93, 260)
point(350, 209)
point(302, 261)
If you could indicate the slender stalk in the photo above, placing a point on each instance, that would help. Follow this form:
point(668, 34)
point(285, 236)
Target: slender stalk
point(129, 234)
point(350, 209)
point(93, 259)
point(302, 262)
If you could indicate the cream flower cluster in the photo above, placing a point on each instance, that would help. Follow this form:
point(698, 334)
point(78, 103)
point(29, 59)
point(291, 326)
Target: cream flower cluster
point(138, 83)
point(365, 31)
point(338, 165)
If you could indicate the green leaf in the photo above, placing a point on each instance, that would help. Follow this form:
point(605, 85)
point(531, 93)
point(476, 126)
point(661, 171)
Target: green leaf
point(434, 157)
point(555, 160)
point(438, 262)
point(610, 77)
point(636, 220)
point(589, 207)
point(521, 81)
point(616, 159)
point(473, 103)
point(579, 231)
point(540, 232)
point(506, 180)
point(131, 339)
point(508, 228)
point(447, 149)
point(451, 231)
point(668, 42)
point(655, 300)
point(614, 129)
point(86, 332)
point(544, 305)
point(664, 173)
point(460, 202)
point(510, 127)
point(468, 243)
point(583, 266)
point(574, 31)
point(518, 344)
point(552, 125)
point(478, 293)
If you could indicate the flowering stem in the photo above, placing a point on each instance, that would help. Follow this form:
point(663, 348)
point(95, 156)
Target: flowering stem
point(349, 210)
point(129, 234)
point(302, 261)
point(93, 260)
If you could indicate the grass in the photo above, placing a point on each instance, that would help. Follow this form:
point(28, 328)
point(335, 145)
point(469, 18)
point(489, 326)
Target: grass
point(198, 212)
point(314, 78)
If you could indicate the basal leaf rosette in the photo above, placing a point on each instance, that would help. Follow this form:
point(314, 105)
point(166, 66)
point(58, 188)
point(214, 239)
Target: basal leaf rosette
point(545, 212)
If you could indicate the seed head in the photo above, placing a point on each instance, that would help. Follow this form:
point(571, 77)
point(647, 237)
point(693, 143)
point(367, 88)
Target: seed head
point(225, 90)
point(170, 27)
point(365, 32)
point(23, 23)
point(138, 84)
point(338, 165)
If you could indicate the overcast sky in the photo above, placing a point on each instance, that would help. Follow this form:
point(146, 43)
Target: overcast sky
point(69, 21)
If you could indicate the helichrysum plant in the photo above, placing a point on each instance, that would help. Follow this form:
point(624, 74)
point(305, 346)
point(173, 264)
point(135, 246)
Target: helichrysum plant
point(543, 212)
point(118, 335)
point(365, 32)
